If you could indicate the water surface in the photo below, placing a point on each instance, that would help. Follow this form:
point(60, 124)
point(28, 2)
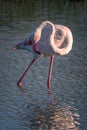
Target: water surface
point(66, 107)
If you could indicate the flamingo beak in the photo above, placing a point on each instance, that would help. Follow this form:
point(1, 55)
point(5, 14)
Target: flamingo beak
point(15, 47)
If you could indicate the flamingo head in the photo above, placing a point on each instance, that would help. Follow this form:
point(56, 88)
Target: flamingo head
point(23, 45)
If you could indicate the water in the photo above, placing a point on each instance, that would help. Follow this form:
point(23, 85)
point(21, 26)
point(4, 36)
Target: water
point(66, 107)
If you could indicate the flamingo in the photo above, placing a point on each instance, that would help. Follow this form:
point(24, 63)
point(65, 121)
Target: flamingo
point(48, 39)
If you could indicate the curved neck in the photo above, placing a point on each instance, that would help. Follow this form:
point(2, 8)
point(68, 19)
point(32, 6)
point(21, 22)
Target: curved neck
point(46, 29)
point(69, 39)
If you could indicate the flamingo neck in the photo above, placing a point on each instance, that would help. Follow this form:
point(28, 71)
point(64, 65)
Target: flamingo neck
point(45, 30)
point(44, 38)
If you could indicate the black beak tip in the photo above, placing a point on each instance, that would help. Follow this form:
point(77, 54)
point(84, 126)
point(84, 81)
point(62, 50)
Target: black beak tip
point(14, 48)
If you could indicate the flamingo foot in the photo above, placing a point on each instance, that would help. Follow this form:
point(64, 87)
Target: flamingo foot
point(19, 84)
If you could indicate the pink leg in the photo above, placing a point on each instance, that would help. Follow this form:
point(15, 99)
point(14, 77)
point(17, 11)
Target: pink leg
point(19, 83)
point(50, 71)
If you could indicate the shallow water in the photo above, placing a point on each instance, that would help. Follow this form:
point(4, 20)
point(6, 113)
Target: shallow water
point(65, 108)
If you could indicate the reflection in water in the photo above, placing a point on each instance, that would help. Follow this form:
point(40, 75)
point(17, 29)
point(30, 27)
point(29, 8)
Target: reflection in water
point(50, 117)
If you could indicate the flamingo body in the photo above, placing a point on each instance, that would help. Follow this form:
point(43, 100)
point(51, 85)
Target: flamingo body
point(47, 40)
point(53, 39)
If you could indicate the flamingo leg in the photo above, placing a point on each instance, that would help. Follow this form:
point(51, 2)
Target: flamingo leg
point(19, 83)
point(50, 72)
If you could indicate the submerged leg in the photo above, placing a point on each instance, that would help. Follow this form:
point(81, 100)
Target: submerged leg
point(19, 83)
point(50, 71)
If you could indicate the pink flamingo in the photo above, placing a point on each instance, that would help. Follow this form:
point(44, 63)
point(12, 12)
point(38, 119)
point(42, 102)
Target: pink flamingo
point(47, 40)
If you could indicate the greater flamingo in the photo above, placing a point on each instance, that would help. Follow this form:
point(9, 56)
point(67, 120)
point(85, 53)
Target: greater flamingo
point(47, 40)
